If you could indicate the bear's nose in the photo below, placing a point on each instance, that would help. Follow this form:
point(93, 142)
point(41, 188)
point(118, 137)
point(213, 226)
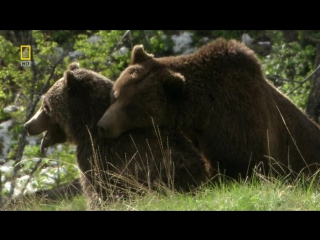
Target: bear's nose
point(102, 130)
point(100, 125)
point(26, 126)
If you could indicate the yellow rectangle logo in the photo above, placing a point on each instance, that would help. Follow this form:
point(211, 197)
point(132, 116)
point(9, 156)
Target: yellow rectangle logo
point(25, 52)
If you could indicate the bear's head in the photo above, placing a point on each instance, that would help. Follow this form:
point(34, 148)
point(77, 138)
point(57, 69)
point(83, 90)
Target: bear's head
point(142, 95)
point(70, 106)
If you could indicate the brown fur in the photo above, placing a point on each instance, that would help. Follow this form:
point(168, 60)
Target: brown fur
point(75, 103)
point(220, 98)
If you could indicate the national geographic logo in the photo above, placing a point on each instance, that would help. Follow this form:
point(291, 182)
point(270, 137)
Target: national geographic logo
point(25, 55)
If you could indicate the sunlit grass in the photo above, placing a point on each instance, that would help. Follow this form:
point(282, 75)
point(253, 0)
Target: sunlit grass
point(260, 193)
point(255, 195)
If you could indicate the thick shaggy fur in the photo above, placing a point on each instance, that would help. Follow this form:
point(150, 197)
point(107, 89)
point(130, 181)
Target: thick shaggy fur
point(70, 112)
point(219, 97)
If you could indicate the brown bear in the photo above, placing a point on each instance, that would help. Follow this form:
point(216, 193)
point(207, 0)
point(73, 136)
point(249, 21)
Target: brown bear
point(219, 97)
point(70, 111)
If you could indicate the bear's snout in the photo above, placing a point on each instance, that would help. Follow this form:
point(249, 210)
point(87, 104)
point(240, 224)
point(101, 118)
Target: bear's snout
point(106, 132)
point(31, 128)
point(39, 123)
point(102, 130)
point(26, 126)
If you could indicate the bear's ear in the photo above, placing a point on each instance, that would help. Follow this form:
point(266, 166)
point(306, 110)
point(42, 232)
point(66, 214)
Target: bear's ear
point(70, 79)
point(139, 55)
point(73, 66)
point(174, 84)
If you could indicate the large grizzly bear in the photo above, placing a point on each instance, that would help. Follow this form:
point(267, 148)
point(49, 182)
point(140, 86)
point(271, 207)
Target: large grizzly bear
point(70, 111)
point(219, 97)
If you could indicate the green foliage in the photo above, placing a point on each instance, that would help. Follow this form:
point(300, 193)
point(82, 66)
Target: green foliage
point(66, 160)
point(56, 169)
point(108, 52)
point(228, 34)
point(97, 54)
point(160, 43)
point(9, 60)
point(290, 61)
point(8, 52)
point(3, 115)
point(60, 165)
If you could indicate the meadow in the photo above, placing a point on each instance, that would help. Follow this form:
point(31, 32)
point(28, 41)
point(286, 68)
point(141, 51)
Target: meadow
point(258, 194)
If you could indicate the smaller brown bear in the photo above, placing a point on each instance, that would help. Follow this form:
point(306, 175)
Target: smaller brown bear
point(70, 111)
point(219, 97)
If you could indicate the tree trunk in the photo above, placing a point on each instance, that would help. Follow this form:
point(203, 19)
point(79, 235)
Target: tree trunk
point(313, 102)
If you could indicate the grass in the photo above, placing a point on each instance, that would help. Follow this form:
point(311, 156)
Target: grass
point(33, 203)
point(261, 193)
point(256, 195)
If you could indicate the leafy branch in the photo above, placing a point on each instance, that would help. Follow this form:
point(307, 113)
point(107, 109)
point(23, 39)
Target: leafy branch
point(33, 170)
point(305, 80)
point(274, 78)
point(123, 36)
